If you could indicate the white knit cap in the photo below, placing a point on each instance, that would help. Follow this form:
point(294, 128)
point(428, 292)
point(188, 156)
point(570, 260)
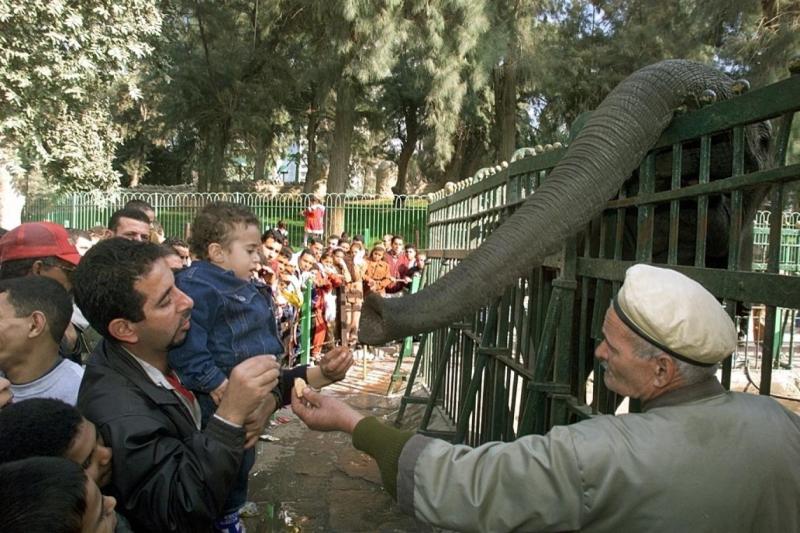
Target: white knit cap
point(676, 314)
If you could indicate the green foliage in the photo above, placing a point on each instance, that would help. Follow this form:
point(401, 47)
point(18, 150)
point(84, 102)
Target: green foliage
point(170, 91)
point(59, 62)
point(590, 46)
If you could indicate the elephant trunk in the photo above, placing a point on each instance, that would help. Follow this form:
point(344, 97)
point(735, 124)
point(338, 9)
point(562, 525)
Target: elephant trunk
point(603, 155)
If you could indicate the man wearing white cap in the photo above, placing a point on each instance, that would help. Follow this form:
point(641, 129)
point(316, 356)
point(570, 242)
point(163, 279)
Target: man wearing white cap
point(698, 458)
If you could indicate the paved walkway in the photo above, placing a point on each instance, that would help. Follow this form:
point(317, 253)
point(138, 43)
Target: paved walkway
point(312, 481)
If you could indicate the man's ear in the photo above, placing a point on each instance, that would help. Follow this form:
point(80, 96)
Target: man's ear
point(665, 370)
point(108, 233)
point(216, 254)
point(36, 268)
point(38, 324)
point(122, 329)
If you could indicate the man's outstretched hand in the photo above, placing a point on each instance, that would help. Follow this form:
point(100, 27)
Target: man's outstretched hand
point(324, 413)
point(335, 363)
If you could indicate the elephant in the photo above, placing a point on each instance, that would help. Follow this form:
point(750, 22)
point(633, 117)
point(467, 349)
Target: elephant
point(603, 155)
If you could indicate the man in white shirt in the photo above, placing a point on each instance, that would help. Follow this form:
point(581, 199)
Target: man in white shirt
point(34, 312)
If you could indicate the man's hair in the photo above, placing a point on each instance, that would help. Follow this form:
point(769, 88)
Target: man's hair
point(286, 252)
point(169, 250)
point(18, 268)
point(157, 227)
point(38, 293)
point(75, 234)
point(271, 234)
point(215, 223)
point(175, 241)
point(138, 203)
point(97, 232)
point(396, 238)
point(37, 427)
point(125, 212)
point(358, 237)
point(689, 373)
point(42, 495)
point(307, 251)
point(104, 281)
point(312, 241)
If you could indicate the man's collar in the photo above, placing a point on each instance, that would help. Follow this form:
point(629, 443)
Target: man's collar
point(139, 358)
point(122, 360)
point(698, 391)
point(155, 375)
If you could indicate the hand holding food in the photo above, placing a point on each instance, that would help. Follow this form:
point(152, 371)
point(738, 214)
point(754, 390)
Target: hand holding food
point(299, 386)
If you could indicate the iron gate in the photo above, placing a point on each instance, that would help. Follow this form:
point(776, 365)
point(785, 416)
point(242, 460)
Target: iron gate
point(524, 363)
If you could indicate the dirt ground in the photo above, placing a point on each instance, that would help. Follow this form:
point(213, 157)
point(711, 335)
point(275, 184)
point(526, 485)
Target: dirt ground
point(311, 481)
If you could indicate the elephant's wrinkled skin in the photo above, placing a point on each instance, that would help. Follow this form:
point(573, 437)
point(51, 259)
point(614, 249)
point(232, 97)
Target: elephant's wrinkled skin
point(603, 155)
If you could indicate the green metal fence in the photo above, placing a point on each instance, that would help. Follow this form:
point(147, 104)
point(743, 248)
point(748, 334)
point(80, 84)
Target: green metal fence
point(524, 363)
point(790, 241)
point(371, 216)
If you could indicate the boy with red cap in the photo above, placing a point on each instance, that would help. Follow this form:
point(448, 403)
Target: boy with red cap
point(38, 248)
point(44, 249)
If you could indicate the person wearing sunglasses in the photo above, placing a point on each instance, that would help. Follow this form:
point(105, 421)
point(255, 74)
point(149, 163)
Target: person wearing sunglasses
point(45, 249)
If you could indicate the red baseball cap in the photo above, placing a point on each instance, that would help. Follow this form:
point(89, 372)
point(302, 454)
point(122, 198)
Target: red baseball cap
point(37, 239)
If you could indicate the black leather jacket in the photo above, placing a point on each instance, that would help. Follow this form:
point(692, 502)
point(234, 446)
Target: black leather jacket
point(167, 475)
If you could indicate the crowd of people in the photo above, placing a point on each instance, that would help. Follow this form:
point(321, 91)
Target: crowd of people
point(140, 370)
point(137, 374)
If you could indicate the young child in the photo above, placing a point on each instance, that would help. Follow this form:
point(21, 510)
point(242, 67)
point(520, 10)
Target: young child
point(233, 321)
point(314, 216)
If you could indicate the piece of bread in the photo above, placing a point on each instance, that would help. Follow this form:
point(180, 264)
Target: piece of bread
point(299, 386)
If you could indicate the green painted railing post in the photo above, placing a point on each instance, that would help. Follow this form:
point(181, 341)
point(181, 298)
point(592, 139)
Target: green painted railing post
point(367, 240)
point(408, 343)
point(305, 324)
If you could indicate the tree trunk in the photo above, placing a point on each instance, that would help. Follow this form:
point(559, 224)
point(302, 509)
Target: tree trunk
point(220, 146)
point(204, 169)
point(342, 137)
point(312, 169)
point(260, 160)
point(769, 13)
point(136, 165)
point(339, 175)
point(506, 109)
point(135, 179)
point(469, 155)
point(263, 143)
point(409, 146)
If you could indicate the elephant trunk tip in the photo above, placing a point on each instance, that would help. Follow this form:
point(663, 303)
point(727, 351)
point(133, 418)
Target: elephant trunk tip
point(372, 327)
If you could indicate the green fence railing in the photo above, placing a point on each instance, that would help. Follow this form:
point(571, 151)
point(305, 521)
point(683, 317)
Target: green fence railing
point(524, 362)
point(358, 214)
point(790, 241)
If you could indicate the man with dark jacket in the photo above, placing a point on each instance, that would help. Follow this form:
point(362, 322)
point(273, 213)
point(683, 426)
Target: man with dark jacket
point(168, 475)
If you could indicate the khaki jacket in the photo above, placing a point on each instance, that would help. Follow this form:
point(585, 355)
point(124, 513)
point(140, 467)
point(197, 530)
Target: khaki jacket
point(699, 459)
point(376, 277)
